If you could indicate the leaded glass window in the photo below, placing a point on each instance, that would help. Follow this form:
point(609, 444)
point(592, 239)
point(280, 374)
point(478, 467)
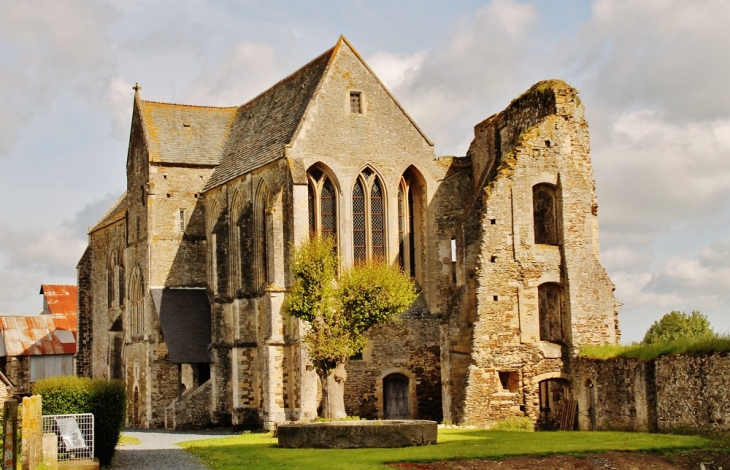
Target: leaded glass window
point(322, 205)
point(368, 218)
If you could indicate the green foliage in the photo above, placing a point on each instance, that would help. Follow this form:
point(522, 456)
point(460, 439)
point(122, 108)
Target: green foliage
point(647, 352)
point(679, 326)
point(340, 310)
point(514, 423)
point(260, 450)
point(106, 399)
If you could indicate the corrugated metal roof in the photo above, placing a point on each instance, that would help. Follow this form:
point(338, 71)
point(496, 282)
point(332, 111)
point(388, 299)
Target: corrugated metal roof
point(38, 334)
point(60, 298)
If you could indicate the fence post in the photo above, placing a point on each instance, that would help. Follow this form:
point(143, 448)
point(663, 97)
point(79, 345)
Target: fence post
point(10, 435)
point(32, 439)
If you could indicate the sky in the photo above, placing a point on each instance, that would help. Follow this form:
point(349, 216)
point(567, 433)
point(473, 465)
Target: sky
point(654, 77)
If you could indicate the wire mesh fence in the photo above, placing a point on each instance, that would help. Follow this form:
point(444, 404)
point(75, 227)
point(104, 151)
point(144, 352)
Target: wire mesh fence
point(75, 434)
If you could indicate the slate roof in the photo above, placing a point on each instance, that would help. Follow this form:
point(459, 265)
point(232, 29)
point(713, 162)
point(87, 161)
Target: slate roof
point(185, 320)
point(264, 125)
point(37, 335)
point(116, 212)
point(60, 298)
point(184, 134)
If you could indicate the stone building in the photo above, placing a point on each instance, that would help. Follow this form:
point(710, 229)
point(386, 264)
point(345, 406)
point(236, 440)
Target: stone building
point(181, 286)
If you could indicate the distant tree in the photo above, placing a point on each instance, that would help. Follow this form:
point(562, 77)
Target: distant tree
point(340, 309)
point(678, 325)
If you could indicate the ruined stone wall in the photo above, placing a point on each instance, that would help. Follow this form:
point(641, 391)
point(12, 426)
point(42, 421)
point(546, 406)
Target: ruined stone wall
point(541, 139)
point(677, 392)
point(615, 394)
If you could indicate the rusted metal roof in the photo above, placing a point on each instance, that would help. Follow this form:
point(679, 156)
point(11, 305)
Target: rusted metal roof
point(38, 335)
point(59, 299)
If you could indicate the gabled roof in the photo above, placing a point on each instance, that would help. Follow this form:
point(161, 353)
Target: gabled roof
point(37, 335)
point(185, 320)
point(183, 134)
point(60, 298)
point(264, 125)
point(116, 212)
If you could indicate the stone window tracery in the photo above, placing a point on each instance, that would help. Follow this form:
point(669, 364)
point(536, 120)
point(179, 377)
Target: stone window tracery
point(322, 202)
point(368, 218)
point(409, 224)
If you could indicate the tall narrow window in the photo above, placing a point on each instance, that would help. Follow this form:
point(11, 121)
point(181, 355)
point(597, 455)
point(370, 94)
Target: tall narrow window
point(261, 222)
point(408, 225)
point(545, 212)
point(368, 218)
point(235, 226)
point(550, 312)
point(322, 205)
point(136, 300)
point(181, 220)
point(214, 213)
point(355, 102)
point(121, 276)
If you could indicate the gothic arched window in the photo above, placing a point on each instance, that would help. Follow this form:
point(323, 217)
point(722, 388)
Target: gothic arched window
point(136, 305)
point(368, 218)
point(214, 214)
point(260, 225)
point(237, 238)
point(322, 205)
point(409, 225)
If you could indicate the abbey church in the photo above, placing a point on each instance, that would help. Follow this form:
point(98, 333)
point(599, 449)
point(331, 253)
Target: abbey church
point(182, 283)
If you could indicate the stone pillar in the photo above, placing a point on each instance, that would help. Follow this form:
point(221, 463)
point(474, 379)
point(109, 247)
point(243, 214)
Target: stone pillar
point(32, 443)
point(10, 435)
point(50, 451)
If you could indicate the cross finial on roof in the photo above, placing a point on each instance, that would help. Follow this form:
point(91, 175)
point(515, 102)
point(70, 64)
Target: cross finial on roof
point(136, 87)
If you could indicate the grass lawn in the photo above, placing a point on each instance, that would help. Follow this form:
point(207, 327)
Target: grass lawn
point(260, 451)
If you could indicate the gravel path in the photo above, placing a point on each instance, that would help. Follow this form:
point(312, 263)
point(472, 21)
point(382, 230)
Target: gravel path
point(158, 450)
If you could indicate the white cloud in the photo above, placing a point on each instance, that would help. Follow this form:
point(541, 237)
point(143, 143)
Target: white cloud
point(46, 46)
point(249, 69)
point(120, 94)
point(393, 69)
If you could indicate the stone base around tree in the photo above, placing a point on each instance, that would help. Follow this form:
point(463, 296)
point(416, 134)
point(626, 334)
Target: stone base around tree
point(358, 434)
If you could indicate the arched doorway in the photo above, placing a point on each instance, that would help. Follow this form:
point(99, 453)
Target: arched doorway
point(396, 397)
point(554, 395)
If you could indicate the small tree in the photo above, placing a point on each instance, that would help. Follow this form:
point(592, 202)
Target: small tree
point(340, 310)
point(678, 325)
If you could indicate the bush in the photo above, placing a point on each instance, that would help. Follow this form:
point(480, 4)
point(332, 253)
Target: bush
point(678, 326)
point(521, 424)
point(106, 399)
point(649, 352)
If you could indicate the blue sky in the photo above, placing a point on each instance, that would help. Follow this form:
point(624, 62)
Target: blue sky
point(653, 76)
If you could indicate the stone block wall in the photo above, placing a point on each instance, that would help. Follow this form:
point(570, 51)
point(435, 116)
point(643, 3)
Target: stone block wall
point(521, 305)
point(670, 393)
point(83, 359)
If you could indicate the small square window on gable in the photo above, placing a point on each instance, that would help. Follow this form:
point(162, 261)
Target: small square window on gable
point(355, 102)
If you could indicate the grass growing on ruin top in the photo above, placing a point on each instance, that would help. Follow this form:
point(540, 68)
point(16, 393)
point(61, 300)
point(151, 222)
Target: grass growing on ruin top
point(648, 352)
point(260, 451)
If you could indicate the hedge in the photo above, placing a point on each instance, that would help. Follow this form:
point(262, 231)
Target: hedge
point(106, 399)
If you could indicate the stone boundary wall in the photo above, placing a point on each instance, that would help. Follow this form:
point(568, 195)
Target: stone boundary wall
point(670, 393)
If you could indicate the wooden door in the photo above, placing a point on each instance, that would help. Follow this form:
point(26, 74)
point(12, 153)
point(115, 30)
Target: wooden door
point(395, 393)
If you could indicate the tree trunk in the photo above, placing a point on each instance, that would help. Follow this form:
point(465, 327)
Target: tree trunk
point(332, 376)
